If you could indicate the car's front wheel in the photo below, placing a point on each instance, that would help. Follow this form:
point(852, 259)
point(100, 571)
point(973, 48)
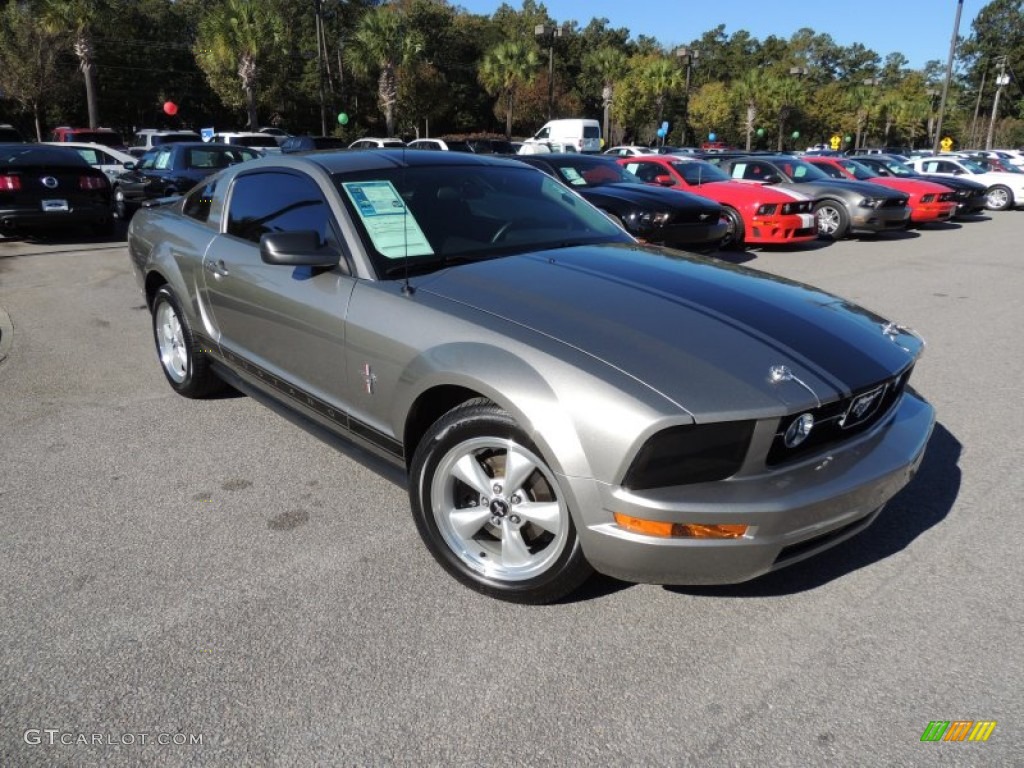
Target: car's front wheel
point(184, 363)
point(734, 234)
point(833, 221)
point(999, 198)
point(490, 509)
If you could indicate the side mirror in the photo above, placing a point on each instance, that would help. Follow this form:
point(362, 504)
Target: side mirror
point(298, 249)
point(664, 180)
point(129, 166)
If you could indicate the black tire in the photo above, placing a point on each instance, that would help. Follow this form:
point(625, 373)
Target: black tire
point(502, 551)
point(999, 198)
point(186, 367)
point(735, 235)
point(832, 219)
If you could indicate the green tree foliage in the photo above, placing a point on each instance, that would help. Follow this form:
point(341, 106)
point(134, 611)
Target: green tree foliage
point(505, 70)
point(235, 40)
point(383, 42)
point(29, 66)
point(77, 18)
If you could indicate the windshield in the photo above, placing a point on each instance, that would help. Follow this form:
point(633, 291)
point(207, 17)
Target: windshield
point(700, 172)
point(583, 171)
point(172, 138)
point(859, 171)
point(424, 218)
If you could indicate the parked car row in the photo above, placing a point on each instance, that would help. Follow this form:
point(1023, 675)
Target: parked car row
point(560, 397)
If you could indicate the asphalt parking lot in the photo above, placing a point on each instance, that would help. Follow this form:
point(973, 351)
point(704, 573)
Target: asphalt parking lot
point(214, 576)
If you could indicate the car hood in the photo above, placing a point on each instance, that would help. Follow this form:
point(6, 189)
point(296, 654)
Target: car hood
point(954, 182)
point(649, 196)
point(702, 333)
point(847, 186)
point(739, 192)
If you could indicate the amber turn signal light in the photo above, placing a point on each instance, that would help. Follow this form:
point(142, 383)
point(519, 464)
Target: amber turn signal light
point(679, 530)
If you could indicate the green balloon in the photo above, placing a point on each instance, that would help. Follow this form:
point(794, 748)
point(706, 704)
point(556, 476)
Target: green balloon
point(849, 138)
point(796, 134)
point(760, 132)
point(343, 118)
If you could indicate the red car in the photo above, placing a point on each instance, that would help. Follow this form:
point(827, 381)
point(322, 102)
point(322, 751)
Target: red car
point(757, 214)
point(928, 201)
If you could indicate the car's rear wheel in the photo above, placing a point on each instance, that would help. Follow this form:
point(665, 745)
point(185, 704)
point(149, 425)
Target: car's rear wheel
point(490, 509)
point(185, 365)
point(833, 221)
point(999, 198)
point(734, 233)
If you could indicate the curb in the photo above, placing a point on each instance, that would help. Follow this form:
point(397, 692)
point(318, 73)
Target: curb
point(6, 334)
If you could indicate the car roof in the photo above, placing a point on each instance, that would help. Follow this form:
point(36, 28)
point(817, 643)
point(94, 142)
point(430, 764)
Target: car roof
point(343, 160)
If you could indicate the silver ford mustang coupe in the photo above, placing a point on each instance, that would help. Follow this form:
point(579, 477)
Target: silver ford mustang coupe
point(562, 398)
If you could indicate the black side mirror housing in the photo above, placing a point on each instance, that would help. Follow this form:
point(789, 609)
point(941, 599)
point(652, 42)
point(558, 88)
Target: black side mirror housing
point(298, 249)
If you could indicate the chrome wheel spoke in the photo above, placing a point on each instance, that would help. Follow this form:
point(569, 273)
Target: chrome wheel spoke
point(517, 469)
point(514, 552)
point(469, 471)
point(468, 522)
point(543, 514)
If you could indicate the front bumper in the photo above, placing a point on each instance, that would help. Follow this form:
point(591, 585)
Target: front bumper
point(782, 229)
point(793, 512)
point(878, 219)
point(925, 213)
point(681, 235)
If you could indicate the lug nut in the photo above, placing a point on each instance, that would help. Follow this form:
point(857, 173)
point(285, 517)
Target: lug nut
point(514, 520)
point(495, 520)
point(516, 498)
point(497, 488)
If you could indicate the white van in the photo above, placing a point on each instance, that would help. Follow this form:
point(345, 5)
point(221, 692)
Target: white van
point(569, 135)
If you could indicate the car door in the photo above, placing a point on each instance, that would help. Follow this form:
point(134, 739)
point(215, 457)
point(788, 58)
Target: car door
point(284, 325)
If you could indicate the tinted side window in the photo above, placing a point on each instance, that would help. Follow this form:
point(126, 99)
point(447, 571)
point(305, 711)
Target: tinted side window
point(197, 205)
point(831, 170)
point(262, 203)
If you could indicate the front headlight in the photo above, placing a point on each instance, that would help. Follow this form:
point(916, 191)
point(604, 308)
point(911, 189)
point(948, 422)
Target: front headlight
point(870, 202)
point(767, 209)
point(927, 198)
point(693, 453)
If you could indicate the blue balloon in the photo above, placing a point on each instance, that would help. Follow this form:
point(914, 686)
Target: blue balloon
point(661, 133)
point(712, 137)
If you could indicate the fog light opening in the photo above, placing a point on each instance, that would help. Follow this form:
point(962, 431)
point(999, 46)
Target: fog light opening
point(679, 530)
point(799, 430)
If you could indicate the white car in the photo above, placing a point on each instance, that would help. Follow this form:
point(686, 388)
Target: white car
point(631, 150)
point(110, 161)
point(261, 142)
point(371, 143)
point(1005, 190)
point(440, 145)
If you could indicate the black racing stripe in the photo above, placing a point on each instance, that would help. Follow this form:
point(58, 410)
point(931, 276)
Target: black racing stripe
point(777, 311)
point(344, 421)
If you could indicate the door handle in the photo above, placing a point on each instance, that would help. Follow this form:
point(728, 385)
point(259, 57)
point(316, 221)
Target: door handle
point(217, 268)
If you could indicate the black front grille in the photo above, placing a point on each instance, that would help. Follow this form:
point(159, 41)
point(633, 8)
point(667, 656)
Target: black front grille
point(840, 420)
point(898, 202)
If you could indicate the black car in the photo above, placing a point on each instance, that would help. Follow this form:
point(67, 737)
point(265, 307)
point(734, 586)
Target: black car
point(8, 133)
point(45, 187)
point(172, 169)
point(971, 196)
point(653, 214)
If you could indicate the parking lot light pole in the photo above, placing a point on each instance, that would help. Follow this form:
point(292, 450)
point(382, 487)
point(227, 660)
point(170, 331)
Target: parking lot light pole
point(550, 32)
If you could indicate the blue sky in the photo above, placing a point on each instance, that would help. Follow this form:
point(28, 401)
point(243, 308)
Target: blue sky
point(919, 29)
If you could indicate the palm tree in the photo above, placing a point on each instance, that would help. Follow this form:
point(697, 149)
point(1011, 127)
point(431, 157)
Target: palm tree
point(783, 95)
point(505, 69)
point(608, 64)
point(77, 18)
point(383, 42)
point(659, 79)
point(238, 35)
point(751, 92)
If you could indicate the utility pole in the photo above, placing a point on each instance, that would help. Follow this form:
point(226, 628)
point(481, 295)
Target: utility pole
point(949, 75)
point(1001, 80)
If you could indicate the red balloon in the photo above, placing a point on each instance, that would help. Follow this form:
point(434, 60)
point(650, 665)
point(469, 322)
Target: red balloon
point(170, 108)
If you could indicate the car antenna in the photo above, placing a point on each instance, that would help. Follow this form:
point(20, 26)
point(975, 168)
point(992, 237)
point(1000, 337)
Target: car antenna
point(407, 287)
